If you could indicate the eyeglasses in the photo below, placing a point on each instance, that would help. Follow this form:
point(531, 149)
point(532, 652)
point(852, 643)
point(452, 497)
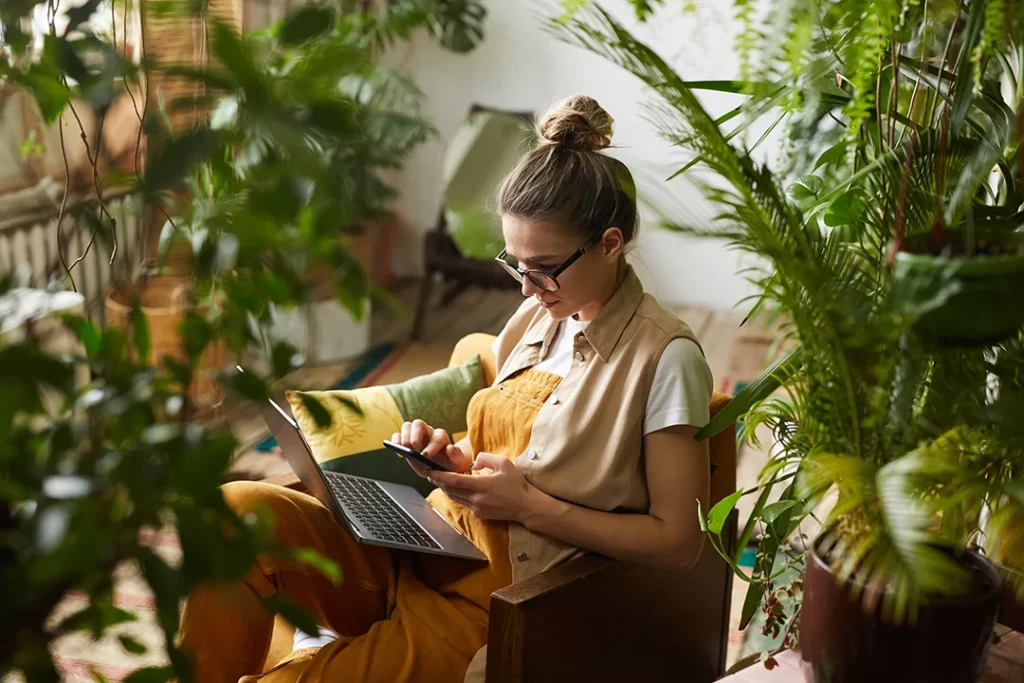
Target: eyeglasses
point(545, 279)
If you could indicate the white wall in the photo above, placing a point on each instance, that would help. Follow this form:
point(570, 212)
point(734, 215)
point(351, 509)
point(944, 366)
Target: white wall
point(520, 66)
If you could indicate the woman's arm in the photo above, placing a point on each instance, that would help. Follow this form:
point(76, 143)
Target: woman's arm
point(678, 475)
point(668, 535)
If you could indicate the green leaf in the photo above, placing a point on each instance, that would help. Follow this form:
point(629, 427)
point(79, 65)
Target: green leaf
point(131, 645)
point(750, 603)
point(748, 528)
point(721, 510)
point(50, 94)
point(846, 210)
point(140, 330)
point(734, 87)
point(834, 154)
point(807, 188)
point(293, 613)
point(79, 15)
point(771, 512)
point(752, 394)
point(964, 85)
point(309, 22)
point(100, 615)
point(314, 559)
point(67, 58)
point(250, 386)
point(319, 414)
point(283, 358)
point(85, 331)
point(394, 305)
point(232, 53)
point(686, 167)
point(151, 674)
point(178, 157)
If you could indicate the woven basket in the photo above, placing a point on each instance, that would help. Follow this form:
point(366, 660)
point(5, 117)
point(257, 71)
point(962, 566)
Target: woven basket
point(164, 301)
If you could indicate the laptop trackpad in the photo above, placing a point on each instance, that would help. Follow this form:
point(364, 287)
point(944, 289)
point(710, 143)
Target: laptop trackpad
point(419, 509)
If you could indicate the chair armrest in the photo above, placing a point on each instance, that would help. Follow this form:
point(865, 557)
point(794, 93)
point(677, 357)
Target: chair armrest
point(598, 620)
point(543, 586)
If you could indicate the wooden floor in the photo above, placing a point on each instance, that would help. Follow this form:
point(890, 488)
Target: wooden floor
point(475, 310)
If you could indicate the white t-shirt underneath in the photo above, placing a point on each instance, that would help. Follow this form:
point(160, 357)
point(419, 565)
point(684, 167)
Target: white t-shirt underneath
point(682, 387)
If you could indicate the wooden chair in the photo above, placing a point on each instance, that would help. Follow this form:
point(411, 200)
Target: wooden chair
point(600, 620)
point(442, 258)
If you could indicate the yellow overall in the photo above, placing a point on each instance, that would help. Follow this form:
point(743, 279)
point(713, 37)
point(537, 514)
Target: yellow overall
point(402, 617)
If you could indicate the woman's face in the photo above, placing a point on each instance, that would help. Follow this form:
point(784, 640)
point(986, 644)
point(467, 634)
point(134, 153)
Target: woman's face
point(545, 245)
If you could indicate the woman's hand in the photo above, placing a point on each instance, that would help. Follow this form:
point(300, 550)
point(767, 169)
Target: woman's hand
point(503, 493)
point(433, 443)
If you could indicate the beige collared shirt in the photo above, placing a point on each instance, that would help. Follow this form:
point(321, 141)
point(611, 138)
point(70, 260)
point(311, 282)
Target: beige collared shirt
point(587, 442)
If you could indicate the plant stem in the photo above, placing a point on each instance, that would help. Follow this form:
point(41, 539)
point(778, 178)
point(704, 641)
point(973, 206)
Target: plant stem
point(893, 92)
point(901, 203)
point(920, 73)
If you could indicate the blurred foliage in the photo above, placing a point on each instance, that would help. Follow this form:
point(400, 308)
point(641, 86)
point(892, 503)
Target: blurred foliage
point(901, 118)
point(304, 124)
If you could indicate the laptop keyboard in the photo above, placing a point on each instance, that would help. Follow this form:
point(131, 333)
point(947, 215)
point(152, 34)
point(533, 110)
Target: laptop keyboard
point(377, 511)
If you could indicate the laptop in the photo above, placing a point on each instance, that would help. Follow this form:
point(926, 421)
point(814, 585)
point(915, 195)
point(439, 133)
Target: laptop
point(375, 512)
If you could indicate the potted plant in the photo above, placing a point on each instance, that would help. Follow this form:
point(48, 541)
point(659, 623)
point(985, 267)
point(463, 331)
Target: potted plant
point(124, 456)
point(901, 430)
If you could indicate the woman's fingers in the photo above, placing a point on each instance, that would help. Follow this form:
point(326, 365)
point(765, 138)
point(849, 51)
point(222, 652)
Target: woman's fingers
point(419, 435)
point(437, 443)
point(462, 500)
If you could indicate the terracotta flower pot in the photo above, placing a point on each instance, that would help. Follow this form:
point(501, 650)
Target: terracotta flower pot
point(163, 300)
point(841, 643)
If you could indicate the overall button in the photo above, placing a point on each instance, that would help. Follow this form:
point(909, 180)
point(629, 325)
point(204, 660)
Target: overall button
point(554, 399)
point(579, 356)
point(531, 454)
point(522, 557)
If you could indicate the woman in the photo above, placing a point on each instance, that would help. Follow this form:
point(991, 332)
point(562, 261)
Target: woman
point(585, 441)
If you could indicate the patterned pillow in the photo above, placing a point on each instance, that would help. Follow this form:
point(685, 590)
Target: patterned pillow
point(440, 398)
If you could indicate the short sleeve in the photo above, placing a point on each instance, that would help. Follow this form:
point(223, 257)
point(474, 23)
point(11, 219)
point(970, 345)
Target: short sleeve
point(682, 387)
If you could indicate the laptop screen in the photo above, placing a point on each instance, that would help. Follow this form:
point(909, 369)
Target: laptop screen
point(297, 452)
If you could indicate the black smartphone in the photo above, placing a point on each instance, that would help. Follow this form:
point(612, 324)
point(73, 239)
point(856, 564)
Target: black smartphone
point(409, 453)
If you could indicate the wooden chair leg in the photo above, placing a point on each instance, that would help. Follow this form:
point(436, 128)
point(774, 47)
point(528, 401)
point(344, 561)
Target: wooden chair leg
point(453, 292)
point(422, 305)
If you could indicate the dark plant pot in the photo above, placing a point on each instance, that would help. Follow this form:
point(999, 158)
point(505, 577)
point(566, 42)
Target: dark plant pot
point(842, 643)
point(1011, 613)
point(989, 306)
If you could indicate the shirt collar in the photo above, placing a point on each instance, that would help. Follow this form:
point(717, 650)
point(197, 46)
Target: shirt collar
point(604, 331)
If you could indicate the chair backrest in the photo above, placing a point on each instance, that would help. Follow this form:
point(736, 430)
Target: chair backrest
point(478, 156)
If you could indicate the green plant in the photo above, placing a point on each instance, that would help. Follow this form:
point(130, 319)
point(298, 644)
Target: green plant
point(303, 123)
point(912, 434)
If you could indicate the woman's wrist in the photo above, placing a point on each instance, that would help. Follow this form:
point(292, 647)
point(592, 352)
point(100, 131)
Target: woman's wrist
point(538, 507)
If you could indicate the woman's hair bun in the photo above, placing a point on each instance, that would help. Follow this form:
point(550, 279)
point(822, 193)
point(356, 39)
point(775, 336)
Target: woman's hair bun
point(577, 122)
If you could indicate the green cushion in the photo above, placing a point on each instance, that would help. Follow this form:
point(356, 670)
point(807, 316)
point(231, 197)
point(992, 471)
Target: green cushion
point(351, 444)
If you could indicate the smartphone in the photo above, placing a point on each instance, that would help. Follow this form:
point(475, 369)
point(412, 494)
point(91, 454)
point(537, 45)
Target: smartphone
point(417, 456)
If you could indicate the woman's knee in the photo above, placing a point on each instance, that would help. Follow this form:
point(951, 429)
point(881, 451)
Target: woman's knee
point(245, 497)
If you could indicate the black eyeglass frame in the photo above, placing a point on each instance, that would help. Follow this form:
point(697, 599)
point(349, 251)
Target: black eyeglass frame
point(520, 273)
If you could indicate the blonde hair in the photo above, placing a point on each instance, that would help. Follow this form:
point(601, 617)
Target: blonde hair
point(567, 179)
